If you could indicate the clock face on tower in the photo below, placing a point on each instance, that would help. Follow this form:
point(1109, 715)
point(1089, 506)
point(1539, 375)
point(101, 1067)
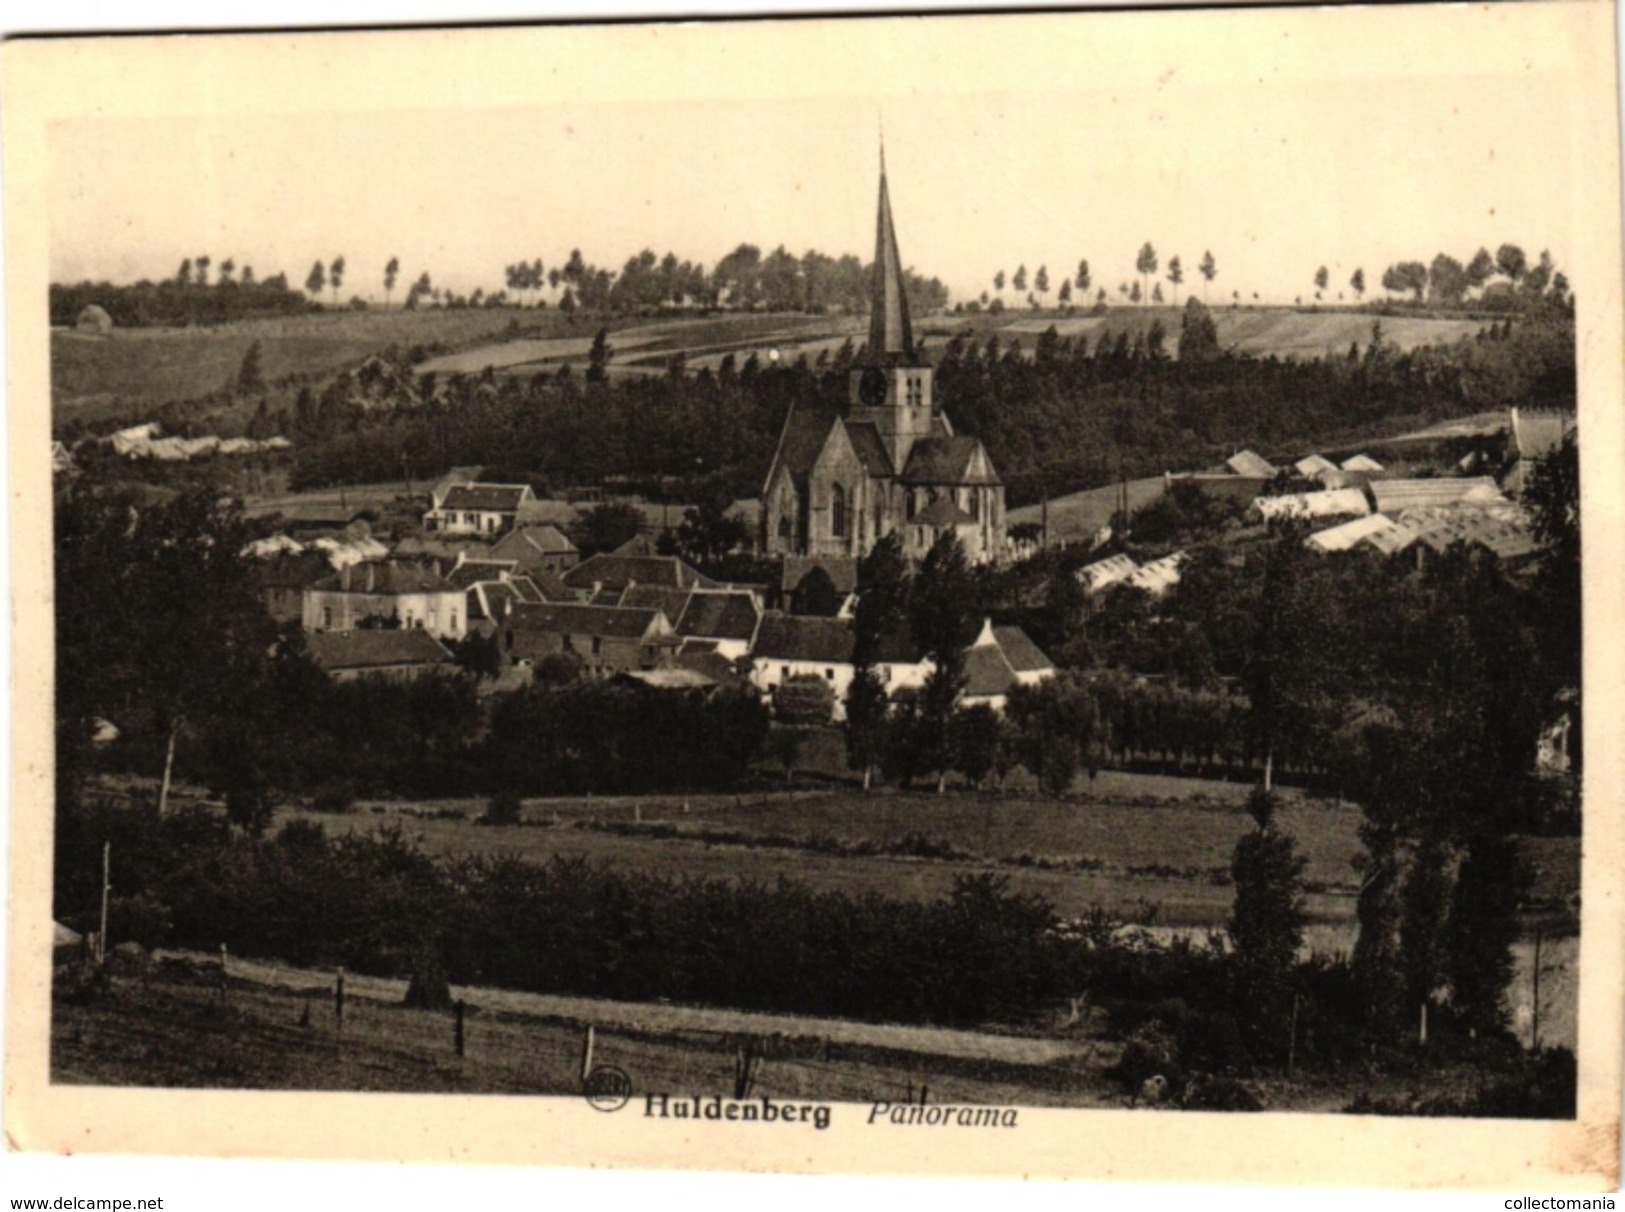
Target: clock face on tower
point(872, 387)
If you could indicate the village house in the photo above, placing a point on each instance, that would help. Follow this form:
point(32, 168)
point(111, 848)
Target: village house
point(838, 484)
point(283, 579)
point(792, 646)
point(387, 592)
point(723, 621)
point(385, 654)
point(535, 549)
point(606, 639)
point(618, 569)
point(477, 509)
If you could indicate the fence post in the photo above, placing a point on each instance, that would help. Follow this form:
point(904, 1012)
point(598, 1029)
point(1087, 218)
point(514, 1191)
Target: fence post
point(338, 998)
point(459, 1027)
point(586, 1053)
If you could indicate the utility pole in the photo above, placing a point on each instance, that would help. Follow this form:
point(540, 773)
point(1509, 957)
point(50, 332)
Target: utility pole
point(107, 884)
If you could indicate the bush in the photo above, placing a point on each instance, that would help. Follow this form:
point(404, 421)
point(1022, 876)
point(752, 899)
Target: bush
point(504, 808)
point(334, 798)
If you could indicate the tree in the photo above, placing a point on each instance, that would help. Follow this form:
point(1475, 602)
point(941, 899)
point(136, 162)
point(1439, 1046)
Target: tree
point(227, 268)
point(1209, 269)
point(1156, 292)
point(1041, 280)
point(1480, 268)
point(201, 266)
point(1357, 284)
point(977, 737)
point(865, 725)
point(392, 269)
point(804, 701)
point(1198, 335)
point(1176, 275)
point(315, 280)
point(1447, 279)
point(1406, 276)
point(1134, 293)
point(598, 357)
point(943, 626)
point(1083, 279)
point(607, 526)
point(1511, 262)
point(183, 275)
point(1145, 264)
point(250, 377)
point(1266, 926)
point(1018, 282)
point(1322, 277)
point(998, 282)
point(335, 277)
point(1064, 295)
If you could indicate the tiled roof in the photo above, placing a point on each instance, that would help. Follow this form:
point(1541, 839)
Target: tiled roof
point(802, 440)
point(1313, 465)
point(617, 571)
point(610, 622)
point(386, 577)
point(788, 637)
point(725, 616)
point(291, 571)
point(1103, 573)
point(870, 449)
point(942, 513)
point(1024, 655)
point(1332, 503)
point(485, 498)
point(1395, 496)
point(987, 672)
point(1158, 576)
point(1350, 534)
point(373, 649)
point(545, 539)
point(945, 460)
point(471, 572)
point(543, 585)
point(1361, 462)
point(841, 570)
point(492, 600)
point(1249, 464)
point(670, 602)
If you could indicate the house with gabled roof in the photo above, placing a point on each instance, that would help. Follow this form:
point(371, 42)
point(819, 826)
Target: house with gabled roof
point(395, 591)
point(724, 620)
point(840, 482)
point(388, 654)
point(616, 570)
point(606, 639)
point(477, 509)
point(1000, 659)
point(538, 547)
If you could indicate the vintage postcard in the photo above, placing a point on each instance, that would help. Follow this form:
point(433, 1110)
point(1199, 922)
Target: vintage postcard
point(989, 594)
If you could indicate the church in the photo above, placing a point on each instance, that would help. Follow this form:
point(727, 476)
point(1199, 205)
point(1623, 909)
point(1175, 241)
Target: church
point(840, 483)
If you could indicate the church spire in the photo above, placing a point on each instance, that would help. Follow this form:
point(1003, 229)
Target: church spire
point(891, 339)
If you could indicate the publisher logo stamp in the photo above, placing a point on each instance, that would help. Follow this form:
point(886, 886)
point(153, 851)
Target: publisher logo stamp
point(607, 1088)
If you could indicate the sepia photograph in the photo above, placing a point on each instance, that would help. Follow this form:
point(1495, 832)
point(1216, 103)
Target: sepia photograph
point(864, 593)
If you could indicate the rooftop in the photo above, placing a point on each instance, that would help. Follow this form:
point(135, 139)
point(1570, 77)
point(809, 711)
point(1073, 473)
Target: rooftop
point(334, 650)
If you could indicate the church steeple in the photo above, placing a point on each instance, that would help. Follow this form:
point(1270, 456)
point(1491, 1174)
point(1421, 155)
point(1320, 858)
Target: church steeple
point(891, 338)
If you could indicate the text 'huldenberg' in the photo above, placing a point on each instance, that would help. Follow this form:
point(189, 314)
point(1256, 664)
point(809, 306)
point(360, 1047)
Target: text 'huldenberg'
point(733, 1110)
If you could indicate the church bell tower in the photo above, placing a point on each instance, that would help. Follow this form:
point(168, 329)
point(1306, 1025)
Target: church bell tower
point(891, 386)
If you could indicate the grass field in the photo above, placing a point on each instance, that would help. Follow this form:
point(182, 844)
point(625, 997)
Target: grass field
point(1133, 841)
point(95, 377)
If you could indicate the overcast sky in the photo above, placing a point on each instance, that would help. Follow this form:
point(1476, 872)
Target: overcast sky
point(1281, 141)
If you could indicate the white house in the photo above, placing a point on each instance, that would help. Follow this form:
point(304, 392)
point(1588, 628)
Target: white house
point(477, 509)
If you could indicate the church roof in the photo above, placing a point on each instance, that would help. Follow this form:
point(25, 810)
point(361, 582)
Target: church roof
point(806, 430)
point(891, 338)
point(871, 450)
point(943, 513)
point(945, 460)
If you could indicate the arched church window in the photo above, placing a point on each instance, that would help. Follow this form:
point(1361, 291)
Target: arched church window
point(837, 511)
point(784, 526)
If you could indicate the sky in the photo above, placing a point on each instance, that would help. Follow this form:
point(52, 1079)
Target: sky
point(1279, 142)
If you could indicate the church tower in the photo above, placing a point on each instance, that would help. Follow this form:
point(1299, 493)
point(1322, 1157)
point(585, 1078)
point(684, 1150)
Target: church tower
point(891, 386)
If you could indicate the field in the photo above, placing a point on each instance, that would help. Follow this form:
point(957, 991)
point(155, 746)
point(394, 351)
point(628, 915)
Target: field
point(97, 377)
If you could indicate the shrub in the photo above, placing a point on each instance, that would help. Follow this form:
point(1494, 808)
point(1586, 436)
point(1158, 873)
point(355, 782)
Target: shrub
point(334, 798)
point(502, 809)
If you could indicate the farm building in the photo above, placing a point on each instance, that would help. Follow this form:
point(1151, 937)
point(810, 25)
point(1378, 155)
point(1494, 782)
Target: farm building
point(1396, 496)
point(1103, 574)
point(817, 584)
point(537, 547)
point(389, 654)
point(1312, 467)
point(1535, 436)
point(1361, 462)
point(606, 639)
point(615, 570)
point(1250, 465)
point(1351, 534)
point(94, 321)
point(839, 484)
point(726, 621)
point(477, 509)
point(1158, 576)
point(1332, 503)
point(1000, 659)
point(415, 594)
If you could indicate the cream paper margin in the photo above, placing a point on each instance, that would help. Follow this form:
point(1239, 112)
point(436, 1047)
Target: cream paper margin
point(154, 77)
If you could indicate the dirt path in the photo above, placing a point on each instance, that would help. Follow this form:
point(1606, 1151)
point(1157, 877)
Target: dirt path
point(638, 1016)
